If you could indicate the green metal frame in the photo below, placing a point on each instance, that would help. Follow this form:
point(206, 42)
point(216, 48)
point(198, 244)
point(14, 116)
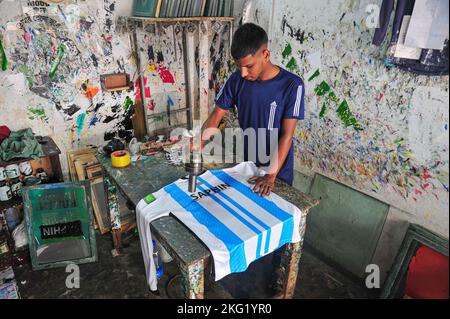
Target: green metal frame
point(415, 237)
point(88, 222)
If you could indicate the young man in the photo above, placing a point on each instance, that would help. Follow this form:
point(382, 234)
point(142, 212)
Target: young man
point(267, 97)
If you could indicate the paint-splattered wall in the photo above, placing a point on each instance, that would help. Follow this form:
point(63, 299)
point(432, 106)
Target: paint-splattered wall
point(381, 131)
point(161, 52)
point(52, 83)
point(70, 106)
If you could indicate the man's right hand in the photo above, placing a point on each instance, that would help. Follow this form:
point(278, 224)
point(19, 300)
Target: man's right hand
point(213, 121)
point(196, 147)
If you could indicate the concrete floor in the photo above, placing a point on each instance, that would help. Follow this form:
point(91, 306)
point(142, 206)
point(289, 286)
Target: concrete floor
point(123, 277)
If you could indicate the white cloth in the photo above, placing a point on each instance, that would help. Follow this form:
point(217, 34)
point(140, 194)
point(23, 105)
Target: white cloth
point(237, 225)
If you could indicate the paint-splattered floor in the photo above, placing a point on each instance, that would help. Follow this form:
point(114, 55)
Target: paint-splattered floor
point(123, 277)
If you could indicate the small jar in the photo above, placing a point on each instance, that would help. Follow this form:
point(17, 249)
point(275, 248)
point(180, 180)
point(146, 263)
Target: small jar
point(42, 175)
point(2, 174)
point(16, 187)
point(31, 180)
point(25, 168)
point(5, 192)
point(12, 171)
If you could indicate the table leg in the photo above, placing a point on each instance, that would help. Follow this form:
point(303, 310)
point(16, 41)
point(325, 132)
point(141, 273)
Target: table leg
point(114, 213)
point(291, 259)
point(193, 280)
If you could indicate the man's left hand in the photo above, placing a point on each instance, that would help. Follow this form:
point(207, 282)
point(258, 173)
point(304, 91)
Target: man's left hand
point(264, 185)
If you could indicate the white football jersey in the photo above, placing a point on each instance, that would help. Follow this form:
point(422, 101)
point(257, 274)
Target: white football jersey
point(236, 224)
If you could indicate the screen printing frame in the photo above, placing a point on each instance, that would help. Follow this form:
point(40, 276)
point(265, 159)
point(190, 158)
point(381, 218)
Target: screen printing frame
point(90, 235)
point(415, 237)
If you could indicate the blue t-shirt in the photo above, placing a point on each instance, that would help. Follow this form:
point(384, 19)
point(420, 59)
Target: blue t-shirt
point(265, 104)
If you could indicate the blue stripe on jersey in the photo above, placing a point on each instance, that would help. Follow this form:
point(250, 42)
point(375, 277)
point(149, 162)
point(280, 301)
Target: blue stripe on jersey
point(235, 214)
point(234, 244)
point(246, 212)
point(287, 219)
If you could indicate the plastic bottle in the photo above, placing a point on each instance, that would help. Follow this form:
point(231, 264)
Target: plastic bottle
point(12, 218)
point(157, 260)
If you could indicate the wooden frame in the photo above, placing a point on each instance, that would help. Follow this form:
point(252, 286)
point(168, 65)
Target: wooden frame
point(71, 156)
point(415, 237)
point(100, 209)
point(37, 216)
point(121, 80)
point(80, 165)
point(94, 171)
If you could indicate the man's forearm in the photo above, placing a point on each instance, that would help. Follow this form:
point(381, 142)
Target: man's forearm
point(284, 145)
point(213, 121)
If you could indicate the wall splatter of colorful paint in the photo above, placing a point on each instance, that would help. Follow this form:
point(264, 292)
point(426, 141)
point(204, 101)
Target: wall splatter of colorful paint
point(161, 52)
point(379, 130)
point(52, 83)
point(53, 63)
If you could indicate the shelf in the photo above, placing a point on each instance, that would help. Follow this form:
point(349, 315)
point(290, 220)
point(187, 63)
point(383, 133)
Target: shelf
point(181, 19)
point(124, 88)
point(152, 115)
point(48, 146)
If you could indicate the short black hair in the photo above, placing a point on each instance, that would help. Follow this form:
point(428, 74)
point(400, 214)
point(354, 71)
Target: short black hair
point(248, 39)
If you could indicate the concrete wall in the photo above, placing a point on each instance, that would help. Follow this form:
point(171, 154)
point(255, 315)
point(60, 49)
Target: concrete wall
point(401, 155)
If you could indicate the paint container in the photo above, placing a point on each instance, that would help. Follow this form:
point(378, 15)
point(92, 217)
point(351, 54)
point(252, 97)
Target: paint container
point(2, 174)
point(12, 171)
point(42, 175)
point(31, 180)
point(5, 192)
point(25, 168)
point(16, 187)
point(158, 262)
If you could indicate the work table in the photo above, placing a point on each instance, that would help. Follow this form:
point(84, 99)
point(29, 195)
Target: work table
point(152, 173)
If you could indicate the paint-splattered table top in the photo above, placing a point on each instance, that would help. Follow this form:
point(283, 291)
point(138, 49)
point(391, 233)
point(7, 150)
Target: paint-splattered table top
point(153, 173)
point(48, 147)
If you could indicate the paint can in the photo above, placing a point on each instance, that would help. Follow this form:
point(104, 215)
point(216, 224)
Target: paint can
point(16, 187)
point(31, 180)
point(12, 171)
point(5, 192)
point(2, 174)
point(42, 175)
point(25, 168)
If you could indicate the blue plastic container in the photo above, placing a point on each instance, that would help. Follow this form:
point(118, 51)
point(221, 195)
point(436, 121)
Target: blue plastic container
point(158, 262)
point(144, 8)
